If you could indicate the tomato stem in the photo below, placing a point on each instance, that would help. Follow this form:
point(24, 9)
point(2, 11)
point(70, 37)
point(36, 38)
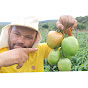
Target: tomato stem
point(56, 49)
point(58, 31)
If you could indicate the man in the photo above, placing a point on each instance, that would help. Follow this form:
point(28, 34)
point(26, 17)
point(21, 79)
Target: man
point(20, 50)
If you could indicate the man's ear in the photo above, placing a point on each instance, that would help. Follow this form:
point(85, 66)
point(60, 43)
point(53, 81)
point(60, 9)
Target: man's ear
point(9, 30)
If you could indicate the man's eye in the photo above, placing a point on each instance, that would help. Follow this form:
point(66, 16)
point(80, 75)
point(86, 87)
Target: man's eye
point(28, 37)
point(16, 34)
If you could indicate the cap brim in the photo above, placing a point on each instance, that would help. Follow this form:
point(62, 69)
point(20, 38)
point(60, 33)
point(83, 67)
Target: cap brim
point(24, 26)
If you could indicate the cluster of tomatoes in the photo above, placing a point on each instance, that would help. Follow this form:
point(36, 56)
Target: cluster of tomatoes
point(63, 48)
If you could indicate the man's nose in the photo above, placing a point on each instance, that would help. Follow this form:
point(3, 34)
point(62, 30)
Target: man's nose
point(21, 39)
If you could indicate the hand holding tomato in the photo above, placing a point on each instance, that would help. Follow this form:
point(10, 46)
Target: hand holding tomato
point(65, 22)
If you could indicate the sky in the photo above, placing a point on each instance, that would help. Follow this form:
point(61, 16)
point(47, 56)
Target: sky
point(42, 9)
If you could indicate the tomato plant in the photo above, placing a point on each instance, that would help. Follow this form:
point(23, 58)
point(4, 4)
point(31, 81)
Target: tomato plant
point(79, 62)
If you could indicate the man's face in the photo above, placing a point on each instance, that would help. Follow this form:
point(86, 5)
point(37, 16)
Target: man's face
point(21, 37)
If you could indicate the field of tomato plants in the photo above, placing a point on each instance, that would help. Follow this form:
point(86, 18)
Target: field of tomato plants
point(79, 61)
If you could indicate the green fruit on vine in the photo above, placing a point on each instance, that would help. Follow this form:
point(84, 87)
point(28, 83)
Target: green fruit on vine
point(69, 46)
point(62, 55)
point(64, 64)
point(53, 57)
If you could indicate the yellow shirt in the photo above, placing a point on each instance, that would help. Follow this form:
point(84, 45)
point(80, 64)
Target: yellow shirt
point(35, 62)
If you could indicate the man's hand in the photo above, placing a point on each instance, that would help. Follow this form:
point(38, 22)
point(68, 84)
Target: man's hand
point(15, 56)
point(65, 22)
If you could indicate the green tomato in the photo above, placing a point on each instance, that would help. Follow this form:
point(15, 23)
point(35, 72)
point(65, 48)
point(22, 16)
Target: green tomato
point(69, 46)
point(53, 57)
point(64, 64)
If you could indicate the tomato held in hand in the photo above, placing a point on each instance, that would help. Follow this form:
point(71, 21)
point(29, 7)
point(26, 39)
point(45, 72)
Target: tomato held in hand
point(54, 39)
point(70, 46)
point(64, 64)
point(53, 57)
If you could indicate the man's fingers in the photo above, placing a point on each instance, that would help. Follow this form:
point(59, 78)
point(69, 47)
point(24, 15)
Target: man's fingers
point(59, 25)
point(66, 21)
point(19, 65)
point(24, 58)
point(75, 24)
point(70, 21)
point(29, 50)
